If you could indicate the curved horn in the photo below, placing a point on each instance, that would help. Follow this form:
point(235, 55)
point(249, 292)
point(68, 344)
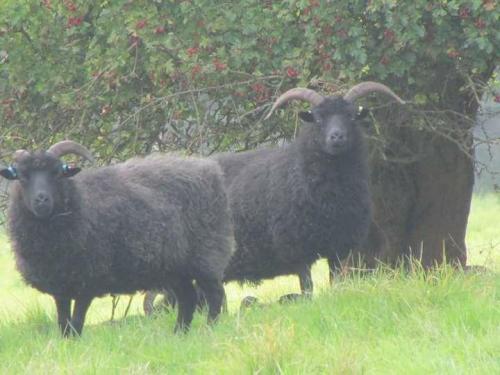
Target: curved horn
point(70, 147)
point(365, 88)
point(19, 154)
point(301, 93)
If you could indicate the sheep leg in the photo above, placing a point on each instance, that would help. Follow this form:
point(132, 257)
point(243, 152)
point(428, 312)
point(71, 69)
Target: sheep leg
point(305, 280)
point(79, 311)
point(306, 286)
point(215, 296)
point(186, 304)
point(149, 302)
point(63, 306)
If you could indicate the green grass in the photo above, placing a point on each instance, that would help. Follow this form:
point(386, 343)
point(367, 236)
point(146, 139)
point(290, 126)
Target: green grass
point(483, 231)
point(445, 322)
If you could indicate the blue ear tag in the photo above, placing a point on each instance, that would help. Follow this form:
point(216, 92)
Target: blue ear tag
point(12, 171)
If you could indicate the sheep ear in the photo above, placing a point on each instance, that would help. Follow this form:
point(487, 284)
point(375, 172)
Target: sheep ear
point(70, 170)
point(362, 113)
point(10, 173)
point(306, 116)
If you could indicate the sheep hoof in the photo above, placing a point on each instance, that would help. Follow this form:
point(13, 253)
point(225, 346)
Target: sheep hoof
point(247, 302)
point(291, 297)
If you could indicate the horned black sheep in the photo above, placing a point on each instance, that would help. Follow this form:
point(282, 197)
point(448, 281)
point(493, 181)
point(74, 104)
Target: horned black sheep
point(309, 199)
point(148, 223)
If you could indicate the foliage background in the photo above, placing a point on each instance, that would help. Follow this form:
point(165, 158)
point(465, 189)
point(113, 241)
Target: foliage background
point(130, 77)
point(127, 77)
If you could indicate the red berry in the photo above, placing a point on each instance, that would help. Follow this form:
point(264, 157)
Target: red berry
point(70, 5)
point(496, 99)
point(195, 70)
point(159, 30)
point(464, 12)
point(141, 24)
point(480, 23)
point(219, 65)
point(291, 72)
point(453, 53)
point(258, 88)
point(75, 21)
point(192, 51)
point(389, 35)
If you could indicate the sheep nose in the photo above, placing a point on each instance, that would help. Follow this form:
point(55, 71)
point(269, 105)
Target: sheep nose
point(41, 198)
point(337, 136)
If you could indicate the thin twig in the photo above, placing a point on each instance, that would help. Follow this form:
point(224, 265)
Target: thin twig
point(114, 304)
point(128, 306)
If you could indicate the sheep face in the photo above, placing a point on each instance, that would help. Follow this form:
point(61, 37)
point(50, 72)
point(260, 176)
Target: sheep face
point(39, 175)
point(334, 125)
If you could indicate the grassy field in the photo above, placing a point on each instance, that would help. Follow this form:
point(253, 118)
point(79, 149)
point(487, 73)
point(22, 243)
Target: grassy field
point(392, 323)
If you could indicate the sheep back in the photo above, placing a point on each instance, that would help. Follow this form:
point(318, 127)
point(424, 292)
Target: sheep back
point(288, 210)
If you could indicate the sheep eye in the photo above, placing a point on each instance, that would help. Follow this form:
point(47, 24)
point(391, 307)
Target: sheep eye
point(361, 113)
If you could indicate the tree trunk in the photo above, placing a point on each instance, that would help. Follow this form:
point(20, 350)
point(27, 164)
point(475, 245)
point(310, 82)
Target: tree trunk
point(422, 207)
point(423, 171)
point(422, 184)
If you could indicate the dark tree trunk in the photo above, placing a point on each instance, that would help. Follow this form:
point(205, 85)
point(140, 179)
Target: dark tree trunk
point(422, 180)
point(422, 207)
point(444, 182)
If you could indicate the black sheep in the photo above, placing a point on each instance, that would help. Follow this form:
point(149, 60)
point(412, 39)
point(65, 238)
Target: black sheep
point(307, 200)
point(152, 223)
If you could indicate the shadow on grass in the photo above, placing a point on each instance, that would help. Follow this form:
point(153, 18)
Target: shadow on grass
point(35, 321)
point(399, 283)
